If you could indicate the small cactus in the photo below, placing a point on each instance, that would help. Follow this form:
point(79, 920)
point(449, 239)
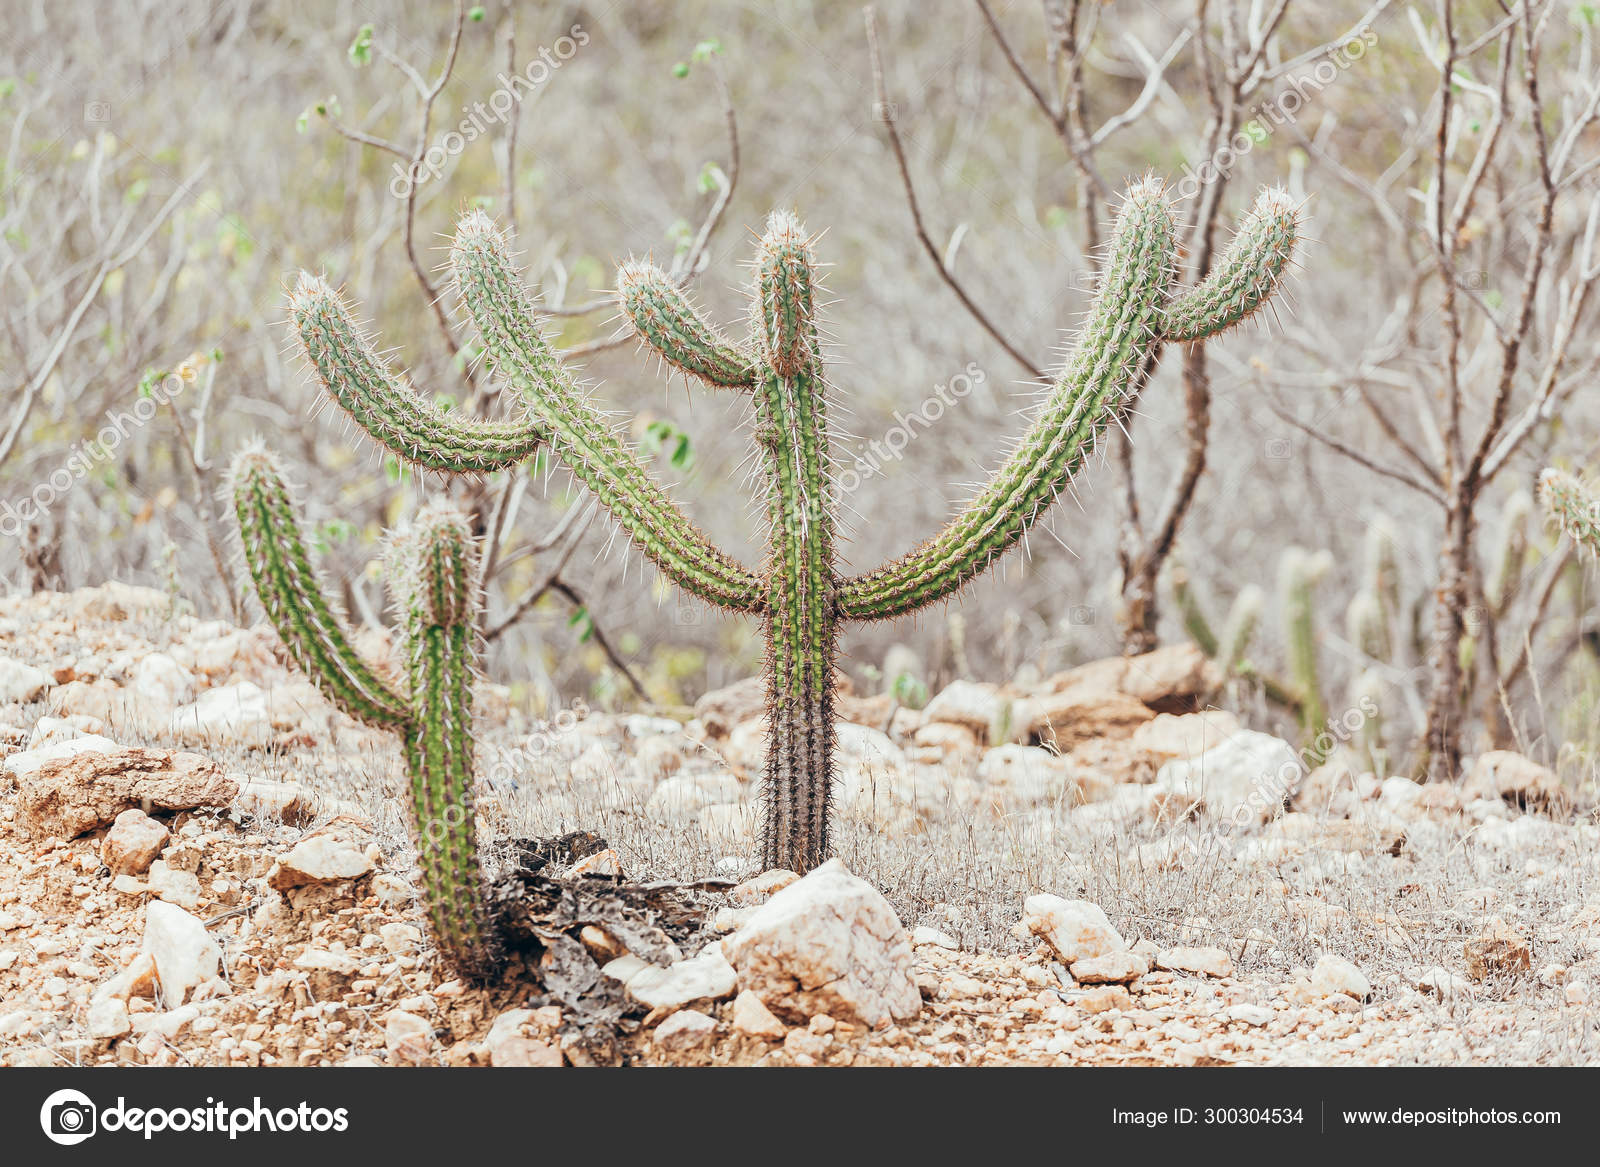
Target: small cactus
point(1573, 505)
point(433, 575)
point(1299, 571)
point(798, 593)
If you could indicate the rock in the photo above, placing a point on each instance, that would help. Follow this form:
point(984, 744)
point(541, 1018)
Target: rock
point(327, 857)
point(683, 796)
point(72, 795)
point(829, 943)
point(868, 762)
point(107, 1019)
point(139, 979)
point(1076, 929)
point(1243, 780)
point(287, 802)
point(706, 977)
point(1444, 984)
point(1105, 998)
point(1519, 780)
point(407, 1038)
point(975, 705)
point(934, 937)
point(1174, 679)
point(157, 675)
point(115, 600)
point(183, 951)
point(687, 1029)
point(328, 972)
point(1249, 1014)
point(49, 731)
point(133, 842)
point(730, 827)
point(948, 739)
point(174, 886)
point(1185, 735)
point(605, 864)
point(1211, 962)
point(21, 683)
point(510, 1045)
point(753, 1019)
point(1501, 950)
point(758, 889)
point(722, 709)
point(1334, 975)
point(227, 715)
point(1024, 775)
point(26, 763)
point(1080, 714)
point(1112, 968)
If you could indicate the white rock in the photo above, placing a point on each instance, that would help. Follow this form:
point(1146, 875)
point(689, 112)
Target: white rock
point(49, 731)
point(509, 1045)
point(829, 943)
point(173, 886)
point(924, 935)
point(133, 842)
point(1245, 779)
point(1444, 984)
point(753, 1019)
point(974, 704)
point(1114, 968)
point(1211, 962)
point(21, 683)
point(1248, 1014)
point(184, 952)
point(1334, 975)
point(1076, 929)
point(227, 715)
point(683, 796)
point(160, 677)
point(707, 977)
point(107, 1019)
point(407, 1037)
point(1025, 774)
point(687, 1029)
point(28, 762)
point(323, 858)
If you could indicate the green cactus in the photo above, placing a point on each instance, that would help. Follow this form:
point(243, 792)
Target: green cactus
point(433, 574)
point(1573, 505)
point(799, 594)
point(1505, 579)
point(1299, 571)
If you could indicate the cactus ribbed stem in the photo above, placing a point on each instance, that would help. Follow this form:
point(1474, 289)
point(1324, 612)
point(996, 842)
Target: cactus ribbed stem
point(1249, 271)
point(664, 319)
point(1574, 506)
point(1298, 573)
point(435, 573)
point(505, 317)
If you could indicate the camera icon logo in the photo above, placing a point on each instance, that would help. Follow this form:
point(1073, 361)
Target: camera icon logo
point(1279, 449)
point(96, 113)
point(1081, 616)
point(68, 1117)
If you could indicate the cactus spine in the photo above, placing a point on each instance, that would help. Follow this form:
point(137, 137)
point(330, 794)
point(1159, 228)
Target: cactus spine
point(1573, 505)
point(798, 593)
point(433, 572)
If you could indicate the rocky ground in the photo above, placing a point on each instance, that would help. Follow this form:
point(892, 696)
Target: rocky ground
point(201, 862)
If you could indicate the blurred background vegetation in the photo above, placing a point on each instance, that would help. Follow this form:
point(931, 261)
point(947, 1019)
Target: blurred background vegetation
point(166, 167)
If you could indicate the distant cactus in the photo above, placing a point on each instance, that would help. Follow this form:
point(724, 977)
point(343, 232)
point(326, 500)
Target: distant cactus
point(433, 574)
point(1574, 506)
point(1299, 571)
point(1505, 578)
point(798, 593)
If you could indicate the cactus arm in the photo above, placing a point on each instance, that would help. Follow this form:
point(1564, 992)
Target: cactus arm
point(437, 595)
point(361, 383)
point(311, 630)
point(1246, 276)
point(1573, 506)
point(664, 319)
point(1123, 325)
point(504, 314)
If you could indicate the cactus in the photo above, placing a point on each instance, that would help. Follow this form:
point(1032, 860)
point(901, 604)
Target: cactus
point(798, 593)
point(1506, 578)
point(433, 574)
point(1299, 571)
point(1572, 505)
point(1240, 630)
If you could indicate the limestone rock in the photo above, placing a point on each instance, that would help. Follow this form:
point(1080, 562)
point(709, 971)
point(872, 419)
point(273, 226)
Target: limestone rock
point(133, 842)
point(183, 951)
point(1076, 929)
point(72, 795)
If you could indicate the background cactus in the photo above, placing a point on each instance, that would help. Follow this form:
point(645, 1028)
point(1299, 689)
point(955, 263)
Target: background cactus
point(1299, 571)
point(798, 593)
point(1573, 505)
point(433, 575)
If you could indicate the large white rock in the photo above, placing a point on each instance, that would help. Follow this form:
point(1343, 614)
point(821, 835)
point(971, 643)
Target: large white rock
point(26, 763)
point(974, 704)
point(1334, 975)
point(184, 952)
point(322, 858)
point(1244, 779)
point(685, 1030)
point(1023, 775)
point(829, 943)
point(228, 715)
point(707, 977)
point(1076, 929)
point(159, 678)
point(21, 683)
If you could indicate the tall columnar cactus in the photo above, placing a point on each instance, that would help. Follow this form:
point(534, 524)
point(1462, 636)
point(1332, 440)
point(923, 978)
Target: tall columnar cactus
point(433, 575)
point(1299, 572)
point(799, 592)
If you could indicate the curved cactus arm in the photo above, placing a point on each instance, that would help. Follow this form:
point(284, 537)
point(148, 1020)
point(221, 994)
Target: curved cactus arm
point(1122, 326)
point(360, 382)
point(1570, 503)
point(434, 577)
point(664, 319)
point(503, 311)
point(1246, 276)
point(274, 551)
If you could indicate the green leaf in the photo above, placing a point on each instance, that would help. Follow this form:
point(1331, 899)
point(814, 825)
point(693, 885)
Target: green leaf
point(711, 178)
point(582, 620)
point(361, 47)
point(705, 50)
point(476, 14)
point(681, 69)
